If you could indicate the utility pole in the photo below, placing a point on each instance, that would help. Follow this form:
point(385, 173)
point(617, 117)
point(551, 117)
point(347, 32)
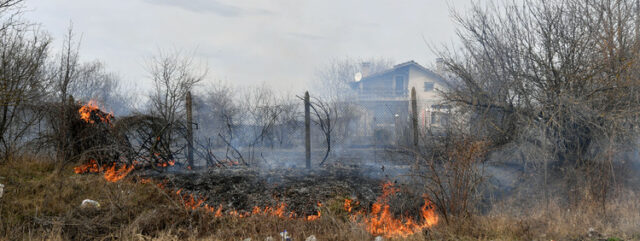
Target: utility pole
point(189, 130)
point(307, 129)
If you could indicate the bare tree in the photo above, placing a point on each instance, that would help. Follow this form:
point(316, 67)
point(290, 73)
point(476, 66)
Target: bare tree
point(334, 78)
point(96, 83)
point(10, 12)
point(69, 79)
point(218, 117)
point(289, 121)
point(174, 75)
point(23, 54)
point(566, 68)
point(261, 111)
point(326, 115)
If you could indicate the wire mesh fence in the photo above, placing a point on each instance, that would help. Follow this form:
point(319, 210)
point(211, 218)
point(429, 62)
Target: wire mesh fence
point(274, 134)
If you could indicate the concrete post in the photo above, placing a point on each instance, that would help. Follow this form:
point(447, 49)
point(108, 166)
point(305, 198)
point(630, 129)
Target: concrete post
point(307, 129)
point(414, 118)
point(189, 130)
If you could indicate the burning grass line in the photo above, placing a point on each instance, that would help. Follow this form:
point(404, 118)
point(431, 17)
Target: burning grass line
point(111, 174)
point(196, 202)
point(379, 221)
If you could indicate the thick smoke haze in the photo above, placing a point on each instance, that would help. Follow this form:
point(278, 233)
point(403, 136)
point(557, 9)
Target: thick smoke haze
point(280, 42)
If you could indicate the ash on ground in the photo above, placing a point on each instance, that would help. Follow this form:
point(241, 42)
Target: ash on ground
point(242, 188)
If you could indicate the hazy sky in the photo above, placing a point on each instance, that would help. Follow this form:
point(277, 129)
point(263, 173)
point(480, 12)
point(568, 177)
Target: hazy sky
point(280, 42)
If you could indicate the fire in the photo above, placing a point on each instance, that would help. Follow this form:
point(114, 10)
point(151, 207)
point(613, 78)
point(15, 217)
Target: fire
point(195, 202)
point(349, 205)
point(227, 162)
point(190, 201)
point(90, 108)
point(217, 212)
point(113, 175)
point(166, 164)
point(90, 167)
point(315, 217)
point(381, 222)
point(278, 211)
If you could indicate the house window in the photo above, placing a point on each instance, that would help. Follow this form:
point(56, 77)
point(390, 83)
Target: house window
point(428, 86)
point(399, 85)
point(399, 82)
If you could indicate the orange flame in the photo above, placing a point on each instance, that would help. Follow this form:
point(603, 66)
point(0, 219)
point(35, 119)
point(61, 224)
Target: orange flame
point(90, 167)
point(190, 201)
point(349, 205)
point(195, 202)
point(217, 212)
point(166, 164)
point(317, 216)
point(92, 107)
point(381, 222)
point(113, 175)
point(227, 162)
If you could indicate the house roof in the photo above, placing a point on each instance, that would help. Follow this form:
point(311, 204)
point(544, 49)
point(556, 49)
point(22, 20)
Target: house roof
point(412, 63)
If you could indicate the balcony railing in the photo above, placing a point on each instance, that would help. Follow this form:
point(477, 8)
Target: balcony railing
point(376, 94)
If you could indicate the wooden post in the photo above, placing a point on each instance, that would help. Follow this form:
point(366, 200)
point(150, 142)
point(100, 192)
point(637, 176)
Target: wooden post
point(307, 129)
point(414, 118)
point(189, 130)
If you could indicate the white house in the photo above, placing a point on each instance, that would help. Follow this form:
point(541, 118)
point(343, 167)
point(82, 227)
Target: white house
point(385, 97)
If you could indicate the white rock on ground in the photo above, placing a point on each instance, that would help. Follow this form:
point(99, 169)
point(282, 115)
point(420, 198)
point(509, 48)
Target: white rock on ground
point(1, 190)
point(285, 235)
point(311, 238)
point(247, 239)
point(88, 203)
point(269, 239)
point(379, 238)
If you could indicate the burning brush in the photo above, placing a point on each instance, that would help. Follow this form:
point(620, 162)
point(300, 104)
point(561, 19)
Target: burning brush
point(98, 135)
point(92, 114)
point(380, 221)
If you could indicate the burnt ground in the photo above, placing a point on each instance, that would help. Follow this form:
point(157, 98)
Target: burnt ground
point(241, 188)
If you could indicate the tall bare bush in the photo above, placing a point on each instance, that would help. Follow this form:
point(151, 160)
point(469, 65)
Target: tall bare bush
point(452, 170)
point(567, 68)
point(23, 54)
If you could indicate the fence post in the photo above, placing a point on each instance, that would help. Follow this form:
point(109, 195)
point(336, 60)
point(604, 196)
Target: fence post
point(414, 118)
point(189, 130)
point(307, 129)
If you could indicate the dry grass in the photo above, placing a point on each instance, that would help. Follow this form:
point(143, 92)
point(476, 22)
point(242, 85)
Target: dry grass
point(39, 205)
point(511, 221)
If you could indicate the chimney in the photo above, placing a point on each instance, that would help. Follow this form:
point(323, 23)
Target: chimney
point(440, 66)
point(365, 69)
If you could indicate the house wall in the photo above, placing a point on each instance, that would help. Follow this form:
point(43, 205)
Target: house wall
point(385, 82)
point(380, 112)
point(379, 83)
point(426, 99)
